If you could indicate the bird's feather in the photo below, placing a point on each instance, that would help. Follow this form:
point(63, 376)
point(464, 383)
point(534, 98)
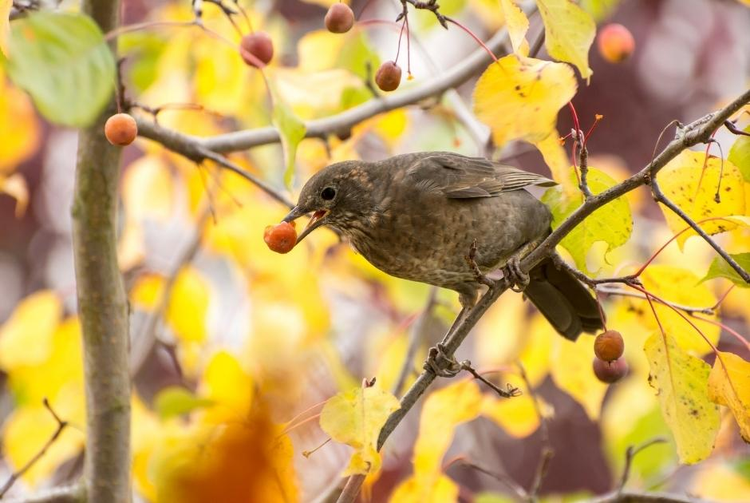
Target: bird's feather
point(459, 177)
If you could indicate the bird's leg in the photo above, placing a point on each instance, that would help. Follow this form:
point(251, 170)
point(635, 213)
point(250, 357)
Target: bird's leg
point(440, 364)
point(470, 259)
point(443, 365)
point(519, 280)
point(512, 270)
point(437, 361)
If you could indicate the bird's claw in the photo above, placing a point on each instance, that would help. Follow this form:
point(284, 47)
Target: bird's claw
point(440, 364)
point(470, 259)
point(519, 279)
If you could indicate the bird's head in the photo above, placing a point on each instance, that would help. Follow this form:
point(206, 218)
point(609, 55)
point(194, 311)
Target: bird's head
point(337, 196)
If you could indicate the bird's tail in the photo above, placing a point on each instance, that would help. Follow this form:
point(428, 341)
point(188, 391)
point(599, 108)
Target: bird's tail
point(563, 300)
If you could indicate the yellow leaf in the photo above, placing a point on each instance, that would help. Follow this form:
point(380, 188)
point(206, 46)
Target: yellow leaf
point(681, 383)
point(5, 6)
point(15, 186)
point(679, 286)
point(438, 489)
point(729, 385)
point(19, 128)
point(26, 338)
point(188, 305)
point(517, 416)
point(443, 410)
point(229, 386)
point(574, 373)
point(147, 189)
point(238, 462)
point(569, 33)
point(692, 188)
point(355, 418)
point(319, 50)
point(558, 161)
point(147, 291)
point(516, 22)
point(29, 428)
point(519, 97)
point(720, 482)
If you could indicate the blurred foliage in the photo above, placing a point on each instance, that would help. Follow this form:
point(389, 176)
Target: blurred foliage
point(264, 352)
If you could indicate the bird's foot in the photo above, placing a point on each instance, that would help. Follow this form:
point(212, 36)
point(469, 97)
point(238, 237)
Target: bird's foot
point(519, 279)
point(440, 364)
point(470, 259)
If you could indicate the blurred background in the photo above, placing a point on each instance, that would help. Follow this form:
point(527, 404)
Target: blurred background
point(303, 326)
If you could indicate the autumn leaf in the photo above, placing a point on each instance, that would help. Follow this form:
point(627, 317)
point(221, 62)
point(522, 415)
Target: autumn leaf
point(5, 6)
point(695, 190)
point(729, 385)
point(355, 418)
point(19, 127)
point(569, 33)
point(680, 286)
point(739, 154)
point(188, 305)
point(26, 338)
point(15, 186)
point(517, 24)
point(518, 416)
point(613, 223)
point(720, 268)
point(442, 412)
point(681, 383)
point(519, 97)
point(576, 376)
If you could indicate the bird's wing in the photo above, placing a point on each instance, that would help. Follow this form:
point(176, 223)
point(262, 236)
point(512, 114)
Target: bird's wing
point(460, 177)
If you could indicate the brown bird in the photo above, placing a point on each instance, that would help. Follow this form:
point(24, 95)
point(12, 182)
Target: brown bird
point(417, 216)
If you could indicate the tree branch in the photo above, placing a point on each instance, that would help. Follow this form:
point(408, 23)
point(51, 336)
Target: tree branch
point(321, 128)
point(698, 132)
point(102, 303)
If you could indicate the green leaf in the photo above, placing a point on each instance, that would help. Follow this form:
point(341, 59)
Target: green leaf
point(569, 33)
point(721, 269)
point(292, 131)
point(681, 383)
point(144, 51)
point(739, 154)
point(356, 54)
point(63, 62)
point(613, 223)
point(599, 9)
point(175, 401)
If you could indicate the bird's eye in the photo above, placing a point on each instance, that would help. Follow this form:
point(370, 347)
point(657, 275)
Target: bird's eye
point(328, 193)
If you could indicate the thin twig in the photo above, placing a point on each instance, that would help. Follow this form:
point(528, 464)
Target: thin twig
point(547, 451)
point(146, 338)
point(416, 336)
point(31, 462)
point(503, 478)
point(660, 197)
point(632, 452)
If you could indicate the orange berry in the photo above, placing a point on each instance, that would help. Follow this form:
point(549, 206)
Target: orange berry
point(388, 76)
point(339, 18)
point(280, 238)
point(258, 45)
point(121, 129)
point(615, 43)
point(610, 372)
point(609, 346)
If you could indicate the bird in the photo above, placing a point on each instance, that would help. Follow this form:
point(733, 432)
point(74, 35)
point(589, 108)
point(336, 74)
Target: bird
point(447, 220)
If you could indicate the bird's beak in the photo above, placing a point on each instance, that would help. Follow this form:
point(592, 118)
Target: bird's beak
point(317, 219)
